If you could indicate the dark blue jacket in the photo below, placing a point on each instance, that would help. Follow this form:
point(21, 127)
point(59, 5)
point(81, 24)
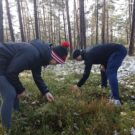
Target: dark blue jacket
point(98, 54)
point(17, 57)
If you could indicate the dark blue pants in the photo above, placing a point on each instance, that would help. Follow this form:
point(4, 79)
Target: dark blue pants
point(113, 65)
point(103, 79)
point(9, 101)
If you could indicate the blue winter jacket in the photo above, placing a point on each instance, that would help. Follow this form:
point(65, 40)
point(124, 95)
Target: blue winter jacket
point(17, 57)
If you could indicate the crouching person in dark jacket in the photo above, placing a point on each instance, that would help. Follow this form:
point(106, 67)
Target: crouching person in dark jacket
point(110, 56)
point(17, 57)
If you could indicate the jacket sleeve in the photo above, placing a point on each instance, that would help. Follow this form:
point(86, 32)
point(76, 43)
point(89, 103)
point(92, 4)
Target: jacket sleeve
point(85, 75)
point(17, 65)
point(39, 81)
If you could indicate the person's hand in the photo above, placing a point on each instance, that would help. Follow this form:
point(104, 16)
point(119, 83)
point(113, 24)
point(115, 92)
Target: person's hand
point(21, 95)
point(102, 68)
point(49, 97)
point(75, 89)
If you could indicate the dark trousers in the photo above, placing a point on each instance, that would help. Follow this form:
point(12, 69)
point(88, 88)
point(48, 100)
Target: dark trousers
point(9, 101)
point(113, 65)
point(103, 79)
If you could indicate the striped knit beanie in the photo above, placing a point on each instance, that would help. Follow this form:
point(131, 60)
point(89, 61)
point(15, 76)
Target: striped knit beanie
point(59, 53)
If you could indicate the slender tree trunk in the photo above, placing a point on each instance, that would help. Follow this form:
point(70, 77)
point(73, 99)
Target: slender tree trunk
point(10, 21)
point(107, 27)
point(75, 43)
point(111, 33)
point(97, 22)
point(78, 30)
point(69, 27)
point(82, 25)
point(31, 21)
point(64, 22)
point(130, 16)
point(51, 25)
point(49, 30)
point(1, 22)
point(20, 21)
point(24, 21)
point(6, 31)
point(44, 23)
point(132, 37)
point(36, 19)
point(103, 22)
point(59, 29)
point(54, 27)
point(127, 34)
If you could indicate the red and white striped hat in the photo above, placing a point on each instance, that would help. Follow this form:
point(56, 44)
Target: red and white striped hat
point(59, 53)
point(57, 58)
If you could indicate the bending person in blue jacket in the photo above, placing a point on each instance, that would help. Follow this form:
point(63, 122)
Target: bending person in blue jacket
point(110, 56)
point(17, 57)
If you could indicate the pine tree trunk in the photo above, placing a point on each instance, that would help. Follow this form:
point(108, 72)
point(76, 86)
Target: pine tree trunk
point(82, 25)
point(44, 23)
point(49, 30)
point(103, 22)
point(24, 22)
point(75, 24)
point(69, 26)
point(64, 22)
point(10, 21)
point(96, 21)
point(54, 27)
point(59, 29)
point(20, 21)
point(1, 22)
point(132, 37)
point(130, 16)
point(31, 21)
point(51, 25)
point(36, 19)
point(78, 30)
point(107, 26)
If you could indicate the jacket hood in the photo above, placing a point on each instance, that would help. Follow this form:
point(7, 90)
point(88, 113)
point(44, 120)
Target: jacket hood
point(44, 50)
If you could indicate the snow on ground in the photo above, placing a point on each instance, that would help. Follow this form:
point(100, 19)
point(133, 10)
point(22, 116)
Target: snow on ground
point(127, 68)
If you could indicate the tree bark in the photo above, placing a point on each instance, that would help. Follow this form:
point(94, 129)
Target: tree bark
point(59, 28)
point(103, 22)
point(1, 22)
point(107, 26)
point(20, 21)
point(36, 19)
point(82, 25)
point(64, 22)
point(69, 26)
point(96, 21)
point(132, 37)
point(10, 21)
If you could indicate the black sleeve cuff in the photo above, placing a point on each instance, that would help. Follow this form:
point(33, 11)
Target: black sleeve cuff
point(79, 85)
point(46, 91)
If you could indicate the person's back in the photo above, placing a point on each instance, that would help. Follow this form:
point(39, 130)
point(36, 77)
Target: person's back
point(99, 54)
point(7, 52)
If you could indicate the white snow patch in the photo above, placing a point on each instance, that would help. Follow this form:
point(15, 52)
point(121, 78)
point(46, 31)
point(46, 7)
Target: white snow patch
point(127, 68)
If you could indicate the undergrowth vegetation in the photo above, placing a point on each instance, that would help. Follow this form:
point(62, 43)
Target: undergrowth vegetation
point(87, 114)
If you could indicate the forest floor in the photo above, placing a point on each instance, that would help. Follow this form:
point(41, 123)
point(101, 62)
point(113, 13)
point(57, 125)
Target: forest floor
point(87, 114)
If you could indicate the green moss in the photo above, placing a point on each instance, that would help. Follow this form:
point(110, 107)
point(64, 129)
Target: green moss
point(88, 114)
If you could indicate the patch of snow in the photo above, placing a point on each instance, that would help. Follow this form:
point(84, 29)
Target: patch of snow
point(132, 131)
point(127, 68)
